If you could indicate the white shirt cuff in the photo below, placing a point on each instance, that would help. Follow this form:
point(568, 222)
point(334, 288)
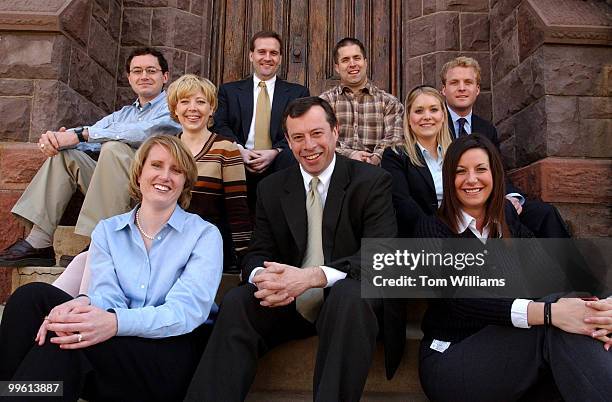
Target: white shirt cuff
point(518, 313)
point(253, 273)
point(332, 275)
point(519, 197)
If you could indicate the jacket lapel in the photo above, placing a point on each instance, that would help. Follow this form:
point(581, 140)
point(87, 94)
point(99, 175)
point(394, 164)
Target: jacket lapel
point(424, 171)
point(246, 106)
point(340, 179)
point(293, 203)
point(451, 125)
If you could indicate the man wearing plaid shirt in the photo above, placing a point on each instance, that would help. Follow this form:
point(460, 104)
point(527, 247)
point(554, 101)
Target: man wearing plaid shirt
point(369, 118)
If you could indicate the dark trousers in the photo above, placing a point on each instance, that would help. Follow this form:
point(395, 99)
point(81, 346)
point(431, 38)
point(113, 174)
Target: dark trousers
point(543, 220)
point(505, 363)
point(282, 161)
point(120, 369)
point(347, 327)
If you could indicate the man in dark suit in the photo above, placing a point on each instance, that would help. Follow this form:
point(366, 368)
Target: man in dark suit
point(461, 86)
point(311, 216)
point(250, 111)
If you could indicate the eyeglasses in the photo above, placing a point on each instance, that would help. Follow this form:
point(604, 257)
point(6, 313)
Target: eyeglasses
point(148, 70)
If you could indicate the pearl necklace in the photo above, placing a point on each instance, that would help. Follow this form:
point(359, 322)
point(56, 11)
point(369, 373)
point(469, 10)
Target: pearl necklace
point(139, 226)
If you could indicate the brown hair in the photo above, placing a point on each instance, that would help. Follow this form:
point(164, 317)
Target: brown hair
point(181, 155)
point(450, 210)
point(300, 106)
point(461, 61)
point(348, 41)
point(187, 85)
point(265, 34)
point(443, 137)
point(143, 51)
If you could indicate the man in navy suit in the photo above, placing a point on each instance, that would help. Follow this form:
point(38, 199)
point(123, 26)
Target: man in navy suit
point(250, 111)
point(461, 86)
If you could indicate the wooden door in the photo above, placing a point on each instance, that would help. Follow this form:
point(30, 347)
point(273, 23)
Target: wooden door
point(310, 29)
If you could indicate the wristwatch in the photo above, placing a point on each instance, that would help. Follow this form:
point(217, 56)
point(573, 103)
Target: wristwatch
point(79, 132)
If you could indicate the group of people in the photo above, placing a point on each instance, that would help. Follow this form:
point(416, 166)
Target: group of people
point(265, 179)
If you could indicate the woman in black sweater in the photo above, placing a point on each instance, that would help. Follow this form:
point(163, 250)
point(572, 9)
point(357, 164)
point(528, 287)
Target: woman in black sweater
point(497, 349)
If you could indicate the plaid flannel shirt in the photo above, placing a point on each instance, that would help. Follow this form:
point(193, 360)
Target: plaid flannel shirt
point(369, 121)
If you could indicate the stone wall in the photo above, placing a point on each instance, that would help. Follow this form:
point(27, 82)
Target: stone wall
point(440, 30)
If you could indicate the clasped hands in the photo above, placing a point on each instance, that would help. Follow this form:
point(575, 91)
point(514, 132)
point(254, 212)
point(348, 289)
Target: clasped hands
point(51, 142)
point(77, 325)
point(590, 318)
point(280, 284)
point(257, 161)
point(365, 156)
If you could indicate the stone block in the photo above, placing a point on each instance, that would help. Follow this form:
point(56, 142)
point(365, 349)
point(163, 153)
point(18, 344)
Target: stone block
point(429, 7)
point(10, 228)
point(576, 70)
point(176, 62)
point(56, 105)
point(114, 19)
point(412, 9)
point(77, 10)
point(474, 32)
point(570, 180)
point(22, 276)
point(482, 107)
point(501, 30)
point(507, 150)
point(596, 135)
point(484, 59)
point(66, 242)
point(501, 10)
point(183, 5)
point(414, 73)
point(563, 127)
point(103, 48)
point(432, 6)
point(49, 6)
point(100, 14)
point(194, 64)
point(422, 34)
point(521, 87)
point(162, 27)
point(530, 31)
point(447, 31)
point(122, 78)
point(35, 56)
point(136, 28)
point(92, 81)
point(505, 129)
point(197, 7)
point(505, 57)
point(594, 108)
point(146, 3)
point(9, 87)
point(124, 96)
point(432, 65)
point(189, 36)
point(16, 114)
point(18, 164)
point(587, 220)
point(531, 143)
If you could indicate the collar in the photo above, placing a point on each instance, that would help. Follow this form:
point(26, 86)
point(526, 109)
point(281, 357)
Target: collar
point(324, 177)
point(455, 116)
point(176, 221)
point(157, 99)
point(269, 83)
point(467, 221)
point(368, 88)
point(426, 152)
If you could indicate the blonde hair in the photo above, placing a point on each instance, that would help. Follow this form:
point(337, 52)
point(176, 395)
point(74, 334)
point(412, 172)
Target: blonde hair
point(443, 137)
point(461, 61)
point(187, 85)
point(179, 153)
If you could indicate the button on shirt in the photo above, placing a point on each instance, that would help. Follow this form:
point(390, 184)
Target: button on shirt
point(435, 168)
point(167, 291)
point(132, 124)
point(518, 311)
point(333, 275)
point(270, 84)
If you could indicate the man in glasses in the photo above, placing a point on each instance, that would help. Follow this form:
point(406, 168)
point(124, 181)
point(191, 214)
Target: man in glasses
point(71, 164)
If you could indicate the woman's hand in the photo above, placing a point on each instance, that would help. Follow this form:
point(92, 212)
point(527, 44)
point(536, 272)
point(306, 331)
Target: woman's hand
point(58, 314)
point(84, 326)
point(601, 317)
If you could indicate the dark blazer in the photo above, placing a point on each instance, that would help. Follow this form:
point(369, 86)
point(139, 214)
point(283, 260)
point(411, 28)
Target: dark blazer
point(414, 193)
point(486, 128)
point(235, 110)
point(358, 205)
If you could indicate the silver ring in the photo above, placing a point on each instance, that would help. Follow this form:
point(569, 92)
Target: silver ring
point(79, 338)
point(42, 146)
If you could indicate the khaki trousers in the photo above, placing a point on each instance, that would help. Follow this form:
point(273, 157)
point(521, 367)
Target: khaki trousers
point(104, 183)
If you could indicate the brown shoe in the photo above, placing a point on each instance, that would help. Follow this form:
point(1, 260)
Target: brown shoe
point(22, 254)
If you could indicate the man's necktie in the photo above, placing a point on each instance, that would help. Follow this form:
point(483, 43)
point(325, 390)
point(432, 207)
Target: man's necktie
point(462, 132)
point(309, 303)
point(262, 119)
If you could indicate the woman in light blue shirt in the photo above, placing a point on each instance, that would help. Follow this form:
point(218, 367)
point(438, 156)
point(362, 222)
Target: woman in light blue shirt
point(137, 334)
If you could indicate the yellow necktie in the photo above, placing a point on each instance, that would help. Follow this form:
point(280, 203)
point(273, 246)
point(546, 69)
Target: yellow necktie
point(309, 303)
point(262, 119)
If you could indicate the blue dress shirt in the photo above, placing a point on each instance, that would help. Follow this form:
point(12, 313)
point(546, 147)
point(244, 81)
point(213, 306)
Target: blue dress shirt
point(133, 124)
point(166, 292)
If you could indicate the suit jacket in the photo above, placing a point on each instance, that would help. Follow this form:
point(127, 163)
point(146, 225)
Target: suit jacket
point(235, 111)
point(414, 193)
point(486, 128)
point(358, 205)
